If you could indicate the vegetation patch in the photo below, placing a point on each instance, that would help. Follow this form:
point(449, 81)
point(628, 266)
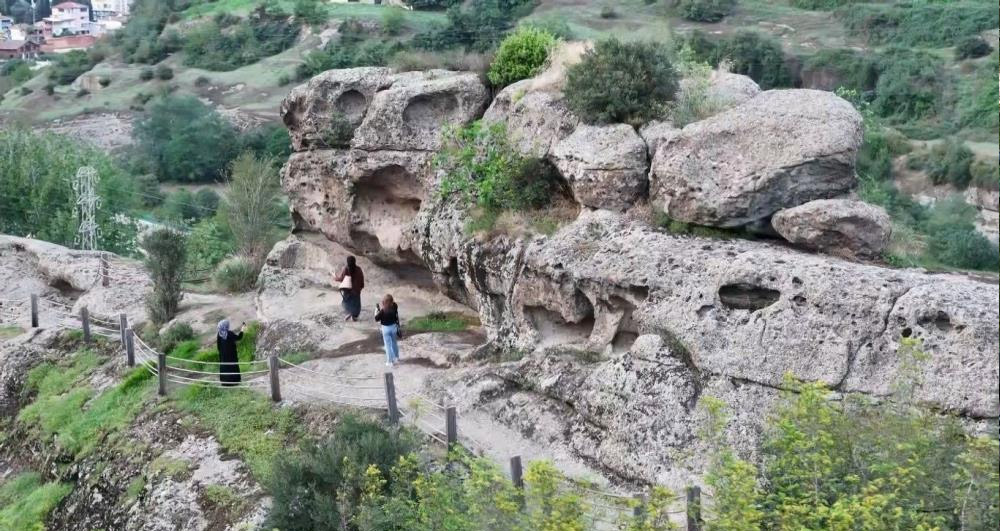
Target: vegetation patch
point(931, 24)
point(26, 501)
point(441, 322)
point(521, 55)
point(227, 42)
point(176, 469)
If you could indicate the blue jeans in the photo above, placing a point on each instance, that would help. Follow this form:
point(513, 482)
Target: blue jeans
point(391, 346)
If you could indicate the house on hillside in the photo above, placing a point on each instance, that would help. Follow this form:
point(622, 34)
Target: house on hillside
point(6, 25)
point(68, 43)
point(18, 49)
point(68, 18)
point(72, 10)
point(111, 8)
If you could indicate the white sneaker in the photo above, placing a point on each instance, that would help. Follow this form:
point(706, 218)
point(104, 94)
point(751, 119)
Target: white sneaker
point(388, 364)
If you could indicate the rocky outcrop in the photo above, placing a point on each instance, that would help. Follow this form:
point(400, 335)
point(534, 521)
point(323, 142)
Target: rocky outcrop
point(605, 166)
point(536, 120)
point(778, 150)
point(725, 88)
point(657, 132)
point(842, 227)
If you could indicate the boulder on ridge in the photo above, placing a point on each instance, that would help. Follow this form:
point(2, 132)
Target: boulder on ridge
point(842, 227)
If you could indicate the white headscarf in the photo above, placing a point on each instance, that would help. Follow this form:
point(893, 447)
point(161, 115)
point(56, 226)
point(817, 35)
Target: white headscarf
point(224, 328)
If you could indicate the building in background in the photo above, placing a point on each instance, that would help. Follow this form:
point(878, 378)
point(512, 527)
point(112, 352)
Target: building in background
point(111, 8)
point(18, 49)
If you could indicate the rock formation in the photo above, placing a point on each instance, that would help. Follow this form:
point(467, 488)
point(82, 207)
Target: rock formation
point(628, 325)
point(848, 228)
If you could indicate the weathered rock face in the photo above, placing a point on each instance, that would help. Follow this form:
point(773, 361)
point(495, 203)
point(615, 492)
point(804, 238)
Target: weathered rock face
point(655, 133)
point(778, 150)
point(841, 227)
point(605, 166)
point(726, 89)
point(536, 119)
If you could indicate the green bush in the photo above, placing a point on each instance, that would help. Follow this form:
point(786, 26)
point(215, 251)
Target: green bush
point(485, 169)
point(69, 66)
point(946, 162)
point(972, 47)
point(477, 25)
point(207, 202)
point(142, 39)
point(853, 69)
point(978, 96)
point(181, 138)
point(705, 10)
point(755, 55)
point(521, 55)
point(963, 248)
point(236, 275)
point(432, 4)
point(909, 86)
point(104, 81)
point(147, 74)
point(164, 73)
point(986, 174)
point(324, 484)
point(229, 45)
point(619, 81)
point(177, 333)
point(179, 207)
point(393, 21)
point(209, 243)
point(352, 49)
point(825, 5)
point(913, 24)
point(166, 256)
point(311, 12)
point(608, 11)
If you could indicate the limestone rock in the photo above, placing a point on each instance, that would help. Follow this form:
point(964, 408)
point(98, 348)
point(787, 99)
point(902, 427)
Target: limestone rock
point(777, 150)
point(409, 115)
point(730, 89)
point(536, 119)
point(657, 132)
point(605, 166)
point(840, 227)
point(308, 108)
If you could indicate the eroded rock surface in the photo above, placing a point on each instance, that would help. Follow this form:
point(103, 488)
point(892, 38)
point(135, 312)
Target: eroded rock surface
point(777, 150)
point(536, 119)
point(605, 166)
point(842, 227)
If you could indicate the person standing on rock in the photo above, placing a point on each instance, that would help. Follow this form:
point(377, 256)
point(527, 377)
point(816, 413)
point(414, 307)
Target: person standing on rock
point(387, 314)
point(352, 281)
point(229, 362)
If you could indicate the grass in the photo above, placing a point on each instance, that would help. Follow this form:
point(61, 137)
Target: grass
point(134, 489)
point(441, 322)
point(177, 469)
point(27, 501)
point(70, 413)
point(223, 497)
point(7, 332)
point(192, 350)
point(417, 20)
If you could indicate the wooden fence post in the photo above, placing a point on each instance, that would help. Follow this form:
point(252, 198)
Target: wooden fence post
point(639, 509)
point(122, 325)
point(129, 347)
point(105, 277)
point(517, 478)
point(161, 365)
point(451, 425)
point(85, 319)
point(272, 367)
point(694, 508)
point(390, 399)
point(34, 310)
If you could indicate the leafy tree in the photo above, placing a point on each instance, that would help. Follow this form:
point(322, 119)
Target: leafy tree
point(207, 202)
point(521, 55)
point(393, 21)
point(705, 10)
point(909, 85)
point(251, 205)
point(209, 242)
point(752, 54)
point(165, 258)
point(972, 47)
point(947, 162)
point(69, 66)
point(617, 81)
point(311, 12)
point(181, 138)
point(486, 170)
point(919, 24)
point(432, 4)
point(268, 140)
point(228, 43)
point(477, 25)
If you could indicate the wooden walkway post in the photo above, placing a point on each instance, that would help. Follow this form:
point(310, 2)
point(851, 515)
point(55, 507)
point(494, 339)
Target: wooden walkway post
point(122, 325)
point(390, 399)
point(451, 425)
point(105, 277)
point(129, 347)
point(34, 310)
point(85, 319)
point(517, 478)
point(272, 367)
point(694, 508)
point(161, 365)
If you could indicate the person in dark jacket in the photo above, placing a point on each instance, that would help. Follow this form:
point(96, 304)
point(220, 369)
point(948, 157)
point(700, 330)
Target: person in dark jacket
point(351, 296)
point(387, 315)
point(229, 363)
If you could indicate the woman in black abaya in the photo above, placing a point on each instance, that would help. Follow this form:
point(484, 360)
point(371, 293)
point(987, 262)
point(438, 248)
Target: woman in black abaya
point(229, 367)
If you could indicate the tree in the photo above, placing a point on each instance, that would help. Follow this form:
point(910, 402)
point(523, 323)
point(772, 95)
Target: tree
point(312, 12)
point(165, 258)
point(757, 56)
point(183, 139)
point(705, 10)
point(251, 205)
point(630, 82)
point(521, 55)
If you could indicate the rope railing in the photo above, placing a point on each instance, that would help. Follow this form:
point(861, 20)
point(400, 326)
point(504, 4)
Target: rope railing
point(413, 407)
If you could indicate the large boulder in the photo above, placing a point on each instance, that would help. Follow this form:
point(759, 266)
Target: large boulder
point(536, 119)
point(308, 109)
point(605, 166)
point(410, 114)
point(777, 150)
point(842, 227)
point(725, 88)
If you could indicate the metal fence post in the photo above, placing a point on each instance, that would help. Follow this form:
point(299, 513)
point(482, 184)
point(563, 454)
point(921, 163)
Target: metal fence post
point(161, 365)
point(34, 310)
point(694, 508)
point(451, 425)
point(122, 325)
point(272, 367)
point(129, 347)
point(85, 319)
point(390, 399)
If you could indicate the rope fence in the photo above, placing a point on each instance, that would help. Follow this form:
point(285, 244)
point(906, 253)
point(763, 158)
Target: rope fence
point(437, 420)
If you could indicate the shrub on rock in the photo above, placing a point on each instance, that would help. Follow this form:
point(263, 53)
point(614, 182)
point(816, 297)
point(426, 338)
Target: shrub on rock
point(630, 82)
point(521, 55)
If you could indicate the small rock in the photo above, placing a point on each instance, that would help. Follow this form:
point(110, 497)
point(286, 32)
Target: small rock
point(605, 166)
point(841, 227)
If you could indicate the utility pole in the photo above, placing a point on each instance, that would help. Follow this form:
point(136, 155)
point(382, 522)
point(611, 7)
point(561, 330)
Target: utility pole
point(87, 202)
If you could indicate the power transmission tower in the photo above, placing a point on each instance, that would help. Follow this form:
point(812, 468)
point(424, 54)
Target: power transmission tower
point(87, 202)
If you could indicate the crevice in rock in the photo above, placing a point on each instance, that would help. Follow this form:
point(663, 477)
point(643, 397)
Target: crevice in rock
point(742, 296)
point(553, 329)
point(852, 353)
point(385, 203)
